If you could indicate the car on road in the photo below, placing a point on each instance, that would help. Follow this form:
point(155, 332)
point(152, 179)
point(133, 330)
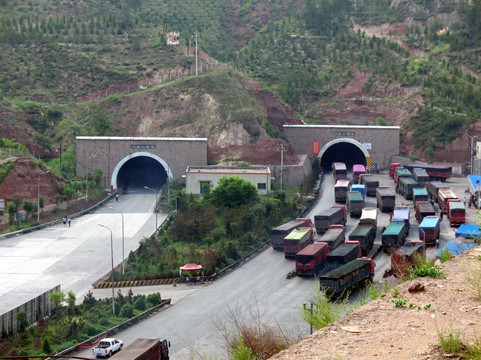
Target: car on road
point(106, 347)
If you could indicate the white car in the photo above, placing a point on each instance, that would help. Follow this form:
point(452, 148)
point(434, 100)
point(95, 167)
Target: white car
point(106, 347)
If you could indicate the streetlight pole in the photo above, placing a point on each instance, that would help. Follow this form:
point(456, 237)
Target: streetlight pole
point(112, 257)
point(123, 242)
point(472, 137)
point(311, 312)
point(196, 66)
point(282, 163)
point(38, 196)
point(155, 209)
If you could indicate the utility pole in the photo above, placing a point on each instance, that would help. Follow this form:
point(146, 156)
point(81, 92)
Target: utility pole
point(282, 163)
point(196, 63)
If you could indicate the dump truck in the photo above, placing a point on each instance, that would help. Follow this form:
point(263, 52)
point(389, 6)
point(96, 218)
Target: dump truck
point(312, 259)
point(433, 189)
point(349, 251)
point(360, 188)
point(444, 195)
point(421, 176)
point(334, 236)
point(369, 217)
point(145, 349)
point(331, 216)
point(394, 236)
point(385, 199)
point(297, 240)
point(339, 170)
point(423, 209)
point(371, 184)
point(403, 212)
point(400, 173)
point(406, 186)
point(365, 234)
point(355, 203)
point(474, 191)
point(354, 274)
point(429, 229)
point(392, 169)
point(402, 260)
point(436, 173)
point(357, 170)
point(340, 190)
point(420, 194)
point(277, 235)
point(456, 213)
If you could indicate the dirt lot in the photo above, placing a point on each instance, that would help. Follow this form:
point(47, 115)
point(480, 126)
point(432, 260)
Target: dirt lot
point(379, 330)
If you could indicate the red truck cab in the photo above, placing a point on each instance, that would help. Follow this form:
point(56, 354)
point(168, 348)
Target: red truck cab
point(392, 169)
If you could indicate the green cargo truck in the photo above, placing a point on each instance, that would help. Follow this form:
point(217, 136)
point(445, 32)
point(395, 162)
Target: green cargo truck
point(355, 203)
point(365, 234)
point(297, 240)
point(355, 273)
point(393, 236)
point(406, 186)
point(420, 194)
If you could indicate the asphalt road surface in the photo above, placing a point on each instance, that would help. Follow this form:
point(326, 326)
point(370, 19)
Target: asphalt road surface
point(74, 256)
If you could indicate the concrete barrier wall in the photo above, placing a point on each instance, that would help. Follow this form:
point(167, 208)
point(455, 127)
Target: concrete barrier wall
point(40, 305)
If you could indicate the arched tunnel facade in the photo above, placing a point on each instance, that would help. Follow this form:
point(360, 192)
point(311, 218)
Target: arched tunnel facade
point(140, 170)
point(348, 152)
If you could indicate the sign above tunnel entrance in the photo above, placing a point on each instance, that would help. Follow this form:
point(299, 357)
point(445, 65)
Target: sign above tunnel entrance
point(367, 146)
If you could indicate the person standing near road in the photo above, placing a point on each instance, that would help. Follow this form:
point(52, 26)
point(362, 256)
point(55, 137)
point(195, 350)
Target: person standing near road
point(117, 197)
point(437, 243)
point(68, 220)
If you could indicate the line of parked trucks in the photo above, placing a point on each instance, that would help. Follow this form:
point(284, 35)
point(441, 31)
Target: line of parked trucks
point(341, 262)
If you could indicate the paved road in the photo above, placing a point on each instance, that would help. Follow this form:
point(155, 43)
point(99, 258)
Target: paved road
point(75, 256)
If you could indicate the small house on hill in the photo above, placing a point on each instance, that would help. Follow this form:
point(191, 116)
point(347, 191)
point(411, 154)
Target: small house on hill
point(196, 176)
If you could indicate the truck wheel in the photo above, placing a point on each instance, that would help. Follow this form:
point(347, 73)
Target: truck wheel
point(110, 353)
point(121, 346)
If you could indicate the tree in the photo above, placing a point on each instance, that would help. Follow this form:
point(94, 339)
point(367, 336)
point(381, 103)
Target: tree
point(57, 298)
point(12, 210)
point(100, 121)
point(29, 206)
point(233, 192)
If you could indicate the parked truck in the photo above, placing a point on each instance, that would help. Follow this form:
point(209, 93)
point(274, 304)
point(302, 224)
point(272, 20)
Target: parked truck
point(365, 234)
point(334, 236)
point(354, 274)
point(456, 213)
point(277, 235)
point(433, 188)
point(400, 173)
point(392, 169)
point(393, 236)
point(359, 188)
point(436, 173)
point(355, 203)
point(349, 251)
point(369, 217)
point(403, 212)
point(420, 194)
point(107, 347)
point(145, 349)
point(406, 186)
point(403, 259)
point(429, 229)
point(370, 183)
point(339, 170)
point(312, 259)
point(357, 170)
point(385, 199)
point(445, 195)
point(340, 190)
point(421, 176)
point(423, 209)
point(331, 216)
point(297, 240)
point(474, 191)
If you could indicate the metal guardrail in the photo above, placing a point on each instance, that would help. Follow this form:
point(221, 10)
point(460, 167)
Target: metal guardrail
point(116, 328)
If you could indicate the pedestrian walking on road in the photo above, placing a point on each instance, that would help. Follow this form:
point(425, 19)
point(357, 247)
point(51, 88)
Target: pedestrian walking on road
point(465, 201)
point(390, 216)
point(117, 197)
point(64, 220)
point(441, 215)
point(437, 243)
point(68, 219)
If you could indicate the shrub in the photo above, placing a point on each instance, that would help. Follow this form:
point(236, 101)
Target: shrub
point(473, 277)
point(46, 348)
point(445, 255)
point(139, 304)
point(127, 311)
point(154, 299)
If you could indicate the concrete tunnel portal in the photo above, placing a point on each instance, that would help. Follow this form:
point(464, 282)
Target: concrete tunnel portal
point(343, 150)
point(139, 170)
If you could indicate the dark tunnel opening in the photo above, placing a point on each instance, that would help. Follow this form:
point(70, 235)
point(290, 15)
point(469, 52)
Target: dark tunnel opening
point(139, 172)
point(344, 152)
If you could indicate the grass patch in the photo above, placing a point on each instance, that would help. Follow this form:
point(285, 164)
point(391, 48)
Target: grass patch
point(473, 277)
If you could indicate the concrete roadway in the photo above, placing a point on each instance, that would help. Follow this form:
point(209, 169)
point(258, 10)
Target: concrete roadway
point(74, 256)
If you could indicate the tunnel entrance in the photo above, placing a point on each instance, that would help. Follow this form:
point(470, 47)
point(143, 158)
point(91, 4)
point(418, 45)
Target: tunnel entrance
point(139, 170)
point(342, 151)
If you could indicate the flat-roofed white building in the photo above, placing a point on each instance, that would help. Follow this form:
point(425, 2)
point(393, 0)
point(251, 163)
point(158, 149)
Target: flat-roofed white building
point(196, 176)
